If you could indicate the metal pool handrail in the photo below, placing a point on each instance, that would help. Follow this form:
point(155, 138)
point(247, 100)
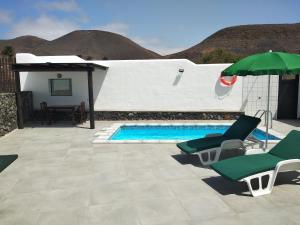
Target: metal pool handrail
point(264, 112)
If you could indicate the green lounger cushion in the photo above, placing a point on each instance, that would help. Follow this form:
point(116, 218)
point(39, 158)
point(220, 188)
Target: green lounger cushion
point(247, 165)
point(243, 166)
point(6, 160)
point(240, 129)
point(200, 144)
point(289, 147)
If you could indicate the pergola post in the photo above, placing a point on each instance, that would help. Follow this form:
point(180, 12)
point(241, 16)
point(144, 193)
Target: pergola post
point(91, 99)
point(20, 119)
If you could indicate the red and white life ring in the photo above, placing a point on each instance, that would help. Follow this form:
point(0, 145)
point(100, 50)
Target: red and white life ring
point(228, 80)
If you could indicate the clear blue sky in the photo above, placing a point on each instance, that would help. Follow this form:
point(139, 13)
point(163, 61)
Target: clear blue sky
point(160, 25)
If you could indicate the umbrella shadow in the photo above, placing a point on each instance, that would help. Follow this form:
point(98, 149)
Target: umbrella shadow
point(295, 123)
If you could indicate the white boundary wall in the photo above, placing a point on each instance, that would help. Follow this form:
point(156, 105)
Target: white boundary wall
point(139, 85)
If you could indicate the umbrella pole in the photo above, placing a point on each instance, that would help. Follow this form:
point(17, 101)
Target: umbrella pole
point(268, 112)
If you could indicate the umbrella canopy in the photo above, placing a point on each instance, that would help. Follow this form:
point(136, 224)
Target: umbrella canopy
point(269, 63)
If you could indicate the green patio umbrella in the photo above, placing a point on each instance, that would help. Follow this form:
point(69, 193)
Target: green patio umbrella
point(269, 63)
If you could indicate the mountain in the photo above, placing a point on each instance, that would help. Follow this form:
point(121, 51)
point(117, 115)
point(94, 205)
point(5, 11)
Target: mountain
point(226, 45)
point(92, 44)
point(23, 43)
point(245, 40)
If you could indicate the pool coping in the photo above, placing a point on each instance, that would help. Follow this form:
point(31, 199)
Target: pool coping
point(102, 135)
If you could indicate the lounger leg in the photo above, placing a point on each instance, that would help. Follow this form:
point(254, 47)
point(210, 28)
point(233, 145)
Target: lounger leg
point(209, 153)
point(261, 190)
point(286, 165)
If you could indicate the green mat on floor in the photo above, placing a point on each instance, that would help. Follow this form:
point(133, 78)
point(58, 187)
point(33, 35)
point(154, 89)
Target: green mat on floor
point(6, 160)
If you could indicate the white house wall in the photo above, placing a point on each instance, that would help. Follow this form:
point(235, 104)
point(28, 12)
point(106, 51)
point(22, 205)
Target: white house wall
point(141, 85)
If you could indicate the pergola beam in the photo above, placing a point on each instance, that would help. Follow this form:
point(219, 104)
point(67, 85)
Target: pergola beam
point(46, 67)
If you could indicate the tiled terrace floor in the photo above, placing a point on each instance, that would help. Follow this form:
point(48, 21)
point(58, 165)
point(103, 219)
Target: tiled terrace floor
point(60, 178)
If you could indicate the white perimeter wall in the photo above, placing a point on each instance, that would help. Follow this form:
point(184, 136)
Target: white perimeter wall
point(140, 85)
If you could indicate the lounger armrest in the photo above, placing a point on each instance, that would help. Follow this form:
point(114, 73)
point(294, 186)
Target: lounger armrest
point(254, 151)
point(232, 144)
point(214, 135)
point(290, 164)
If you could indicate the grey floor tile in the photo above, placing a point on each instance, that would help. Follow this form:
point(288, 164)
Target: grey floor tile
point(239, 202)
point(142, 174)
point(114, 214)
point(16, 204)
point(160, 211)
point(105, 167)
point(72, 182)
point(27, 217)
point(62, 199)
point(205, 207)
point(194, 187)
point(106, 156)
point(167, 172)
point(181, 222)
point(64, 217)
point(150, 189)
point(109, 193)
point(33, 184)
point(273, 216)
point(60, 177)
point(7, 183)
point(293, 213)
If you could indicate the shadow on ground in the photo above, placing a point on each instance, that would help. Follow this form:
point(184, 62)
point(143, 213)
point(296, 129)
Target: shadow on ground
point(226, 187)
point(194, 160)
point(218, 183)
point(188, 159)
point(295, 123)
point(289, 177)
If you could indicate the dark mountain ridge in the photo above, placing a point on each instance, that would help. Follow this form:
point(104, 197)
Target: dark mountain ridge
point(225, 45)
point(247, 39)
point(92, 44)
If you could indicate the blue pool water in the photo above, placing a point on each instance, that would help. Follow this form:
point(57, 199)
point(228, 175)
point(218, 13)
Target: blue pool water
point(176, 132)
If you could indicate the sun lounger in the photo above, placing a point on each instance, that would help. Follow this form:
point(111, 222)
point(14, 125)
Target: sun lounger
point(263, 167)
point(6, 160)
point(210, 147)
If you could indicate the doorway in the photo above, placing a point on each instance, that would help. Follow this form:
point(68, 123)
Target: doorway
point(288, 97)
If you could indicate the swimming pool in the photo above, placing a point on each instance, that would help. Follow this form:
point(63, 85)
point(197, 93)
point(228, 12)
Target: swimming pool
point(174, 132)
